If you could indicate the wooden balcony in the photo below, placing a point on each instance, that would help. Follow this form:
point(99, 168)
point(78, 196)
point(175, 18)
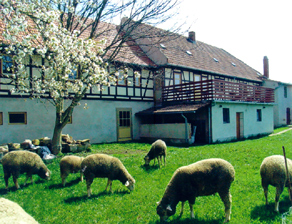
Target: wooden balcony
point(217, 90)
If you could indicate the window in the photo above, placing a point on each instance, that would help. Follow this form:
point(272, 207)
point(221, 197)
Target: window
point(125, 119)
point(259, 115)
point(177, 78)
point(226, 116)
point(17, 117)
point(6, 64)
point(285, 91)
point(137, 78)
point(122, 78)
point(1, 118)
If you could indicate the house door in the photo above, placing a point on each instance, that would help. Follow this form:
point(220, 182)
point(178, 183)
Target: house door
point(124, 124)
point(288, 116)
point(239, 125)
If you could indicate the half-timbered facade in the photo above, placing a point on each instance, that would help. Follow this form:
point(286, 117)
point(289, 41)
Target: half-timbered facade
point(188, 91)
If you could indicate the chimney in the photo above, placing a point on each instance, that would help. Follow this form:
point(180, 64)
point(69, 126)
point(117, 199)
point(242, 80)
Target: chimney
point(266, 67)
point(192, 37)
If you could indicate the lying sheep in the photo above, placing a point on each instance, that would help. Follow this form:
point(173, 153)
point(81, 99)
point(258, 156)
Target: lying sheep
point(70, 164)
point(12, 213)
point(157, 150)
point(202, 178)
point(19, 162)
point(104, 166)
point(273, 172)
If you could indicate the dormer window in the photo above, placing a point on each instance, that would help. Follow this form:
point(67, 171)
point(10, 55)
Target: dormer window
point(189, 53)
point(233, 64)
point(215, 59)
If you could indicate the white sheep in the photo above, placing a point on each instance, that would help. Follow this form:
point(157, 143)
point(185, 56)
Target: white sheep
point(157, 150)
point(19, 162)
point(273, 172)
point(203, 178)
point(70, 164)
point(12, 213)
point(105, 166)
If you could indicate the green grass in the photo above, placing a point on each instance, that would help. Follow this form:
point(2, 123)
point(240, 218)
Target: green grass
point(49, 202)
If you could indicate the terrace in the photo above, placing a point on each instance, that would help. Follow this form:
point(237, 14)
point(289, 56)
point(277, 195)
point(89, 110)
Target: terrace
point(217, 90)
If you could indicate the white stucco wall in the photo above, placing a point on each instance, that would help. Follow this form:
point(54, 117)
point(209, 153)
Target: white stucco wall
point(97, 122)
point(251, 127)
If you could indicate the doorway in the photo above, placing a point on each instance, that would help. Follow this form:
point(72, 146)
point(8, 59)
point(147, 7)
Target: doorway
point(124, 124)
point(239, 125)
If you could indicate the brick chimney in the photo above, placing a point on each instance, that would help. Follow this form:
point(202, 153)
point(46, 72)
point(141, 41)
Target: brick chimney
point(192, 37)
point(266, 67)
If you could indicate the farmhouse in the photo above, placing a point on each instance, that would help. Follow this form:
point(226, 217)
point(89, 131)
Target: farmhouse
point(188, 91)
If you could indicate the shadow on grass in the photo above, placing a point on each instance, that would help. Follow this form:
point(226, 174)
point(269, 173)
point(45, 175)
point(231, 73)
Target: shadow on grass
point(266, 212)
point(93, 196)
point(68, 184)
point(150, 169)
point(189, 220)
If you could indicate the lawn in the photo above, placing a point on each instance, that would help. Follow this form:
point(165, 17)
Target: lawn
point(49, 202)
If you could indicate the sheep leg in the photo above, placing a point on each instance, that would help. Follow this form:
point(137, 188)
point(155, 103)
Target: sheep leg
point(109, 183)
point(88, 184)
point(164, 159)
point(15, 182)
point(266, 191)
point(81, 176)
point(6, 177)
point(158, 161)
point(227, 200)
point(192, 210)
point(182, 208)
point(279, 191)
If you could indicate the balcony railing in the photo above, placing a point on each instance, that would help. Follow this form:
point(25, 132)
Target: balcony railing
point(217, 90)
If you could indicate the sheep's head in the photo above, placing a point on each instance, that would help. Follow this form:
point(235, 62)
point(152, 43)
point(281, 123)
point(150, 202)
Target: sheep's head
point(45, 174)
point(164, 211)
point(147, 160)
point(130, 184)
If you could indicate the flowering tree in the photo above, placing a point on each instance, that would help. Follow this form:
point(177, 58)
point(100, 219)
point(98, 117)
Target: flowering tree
point(48, 34)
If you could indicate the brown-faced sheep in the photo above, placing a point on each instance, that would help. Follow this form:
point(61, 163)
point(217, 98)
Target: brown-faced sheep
point(157, 150)
point(70, 164)
point(19, 162)
point(273, 172)
point(203, 178)
point(104, 166)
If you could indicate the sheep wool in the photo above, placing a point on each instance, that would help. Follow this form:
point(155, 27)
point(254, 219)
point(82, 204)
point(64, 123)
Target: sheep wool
point(157, 150)
point(70, 164)
point(203, 178)
point(12, 213)
point(105, 166)
point(19, 162)
point(273, 172)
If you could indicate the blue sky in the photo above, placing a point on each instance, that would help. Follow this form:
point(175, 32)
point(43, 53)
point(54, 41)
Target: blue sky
point(249, 30)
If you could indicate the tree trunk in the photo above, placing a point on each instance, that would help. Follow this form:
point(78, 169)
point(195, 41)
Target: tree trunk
point(57, 139)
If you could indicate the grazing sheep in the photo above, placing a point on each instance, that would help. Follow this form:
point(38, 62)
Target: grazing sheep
point(104, 166)
point(12, 213)
point(19, 162)
point(70, 164)
point(273, 172)
point(157, 150)
point(203, 178)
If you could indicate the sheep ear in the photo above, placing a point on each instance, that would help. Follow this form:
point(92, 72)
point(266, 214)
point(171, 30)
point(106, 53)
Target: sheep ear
point(168, 208)
point(127, 183)
point(47, 174)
